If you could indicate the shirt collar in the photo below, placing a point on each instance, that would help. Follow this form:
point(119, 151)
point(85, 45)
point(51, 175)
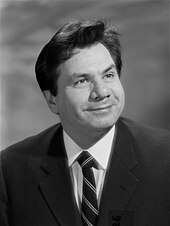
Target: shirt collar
point(100, 151)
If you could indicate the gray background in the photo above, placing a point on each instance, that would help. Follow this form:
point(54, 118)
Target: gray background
point(26, 26)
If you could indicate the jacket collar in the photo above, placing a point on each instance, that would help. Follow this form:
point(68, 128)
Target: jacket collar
point(120, 182)
point(57, 186)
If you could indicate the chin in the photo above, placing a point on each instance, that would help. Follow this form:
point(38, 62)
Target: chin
point(101, 125)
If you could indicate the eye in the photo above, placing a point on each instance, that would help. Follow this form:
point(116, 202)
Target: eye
point(109, 76)
point(81, 82)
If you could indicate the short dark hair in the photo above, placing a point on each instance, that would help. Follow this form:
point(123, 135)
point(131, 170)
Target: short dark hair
point(77, 34)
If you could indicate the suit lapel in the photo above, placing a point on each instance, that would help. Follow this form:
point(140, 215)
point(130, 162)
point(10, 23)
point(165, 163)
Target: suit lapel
point(120, 182)
point(57, 188)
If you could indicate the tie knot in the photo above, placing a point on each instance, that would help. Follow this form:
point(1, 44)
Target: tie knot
point(86, 160)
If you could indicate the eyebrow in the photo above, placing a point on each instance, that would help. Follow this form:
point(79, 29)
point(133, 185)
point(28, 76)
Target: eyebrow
point(109, 68)
point(79, 75)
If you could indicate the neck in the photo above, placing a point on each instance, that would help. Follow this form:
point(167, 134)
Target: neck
point(84, 139)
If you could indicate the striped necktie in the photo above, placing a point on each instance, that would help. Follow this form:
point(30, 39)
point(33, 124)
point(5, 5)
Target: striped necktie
point(89, 206)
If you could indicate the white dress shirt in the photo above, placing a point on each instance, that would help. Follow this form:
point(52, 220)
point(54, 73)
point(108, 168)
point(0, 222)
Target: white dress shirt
point(100, 152)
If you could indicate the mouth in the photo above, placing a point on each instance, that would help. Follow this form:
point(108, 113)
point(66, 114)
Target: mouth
point(100, 108)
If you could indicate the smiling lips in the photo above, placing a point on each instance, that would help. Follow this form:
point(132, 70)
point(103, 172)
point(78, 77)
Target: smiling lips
point(99, 108)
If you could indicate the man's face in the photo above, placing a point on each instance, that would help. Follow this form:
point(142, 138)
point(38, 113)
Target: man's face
point(90, 96)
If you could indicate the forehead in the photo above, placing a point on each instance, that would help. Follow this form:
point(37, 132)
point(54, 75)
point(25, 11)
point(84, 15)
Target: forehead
point(95, 58)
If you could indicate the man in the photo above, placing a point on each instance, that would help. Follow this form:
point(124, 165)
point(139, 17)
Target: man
point(47, 180)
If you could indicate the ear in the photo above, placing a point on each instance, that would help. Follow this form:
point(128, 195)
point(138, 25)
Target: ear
point(51, 101)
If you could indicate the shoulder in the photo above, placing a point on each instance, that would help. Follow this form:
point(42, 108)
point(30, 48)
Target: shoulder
point(146, 134)
point(151, 146)
point(32, 146)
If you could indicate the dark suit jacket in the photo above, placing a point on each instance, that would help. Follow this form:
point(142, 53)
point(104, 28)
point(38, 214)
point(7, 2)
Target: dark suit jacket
point(36, 189)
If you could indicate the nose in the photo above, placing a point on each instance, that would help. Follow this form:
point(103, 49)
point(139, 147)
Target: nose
point(100, 91)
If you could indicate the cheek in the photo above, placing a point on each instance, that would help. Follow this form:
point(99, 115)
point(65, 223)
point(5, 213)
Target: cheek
point(118, 91)
point(121, 93)
point(75, 100)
